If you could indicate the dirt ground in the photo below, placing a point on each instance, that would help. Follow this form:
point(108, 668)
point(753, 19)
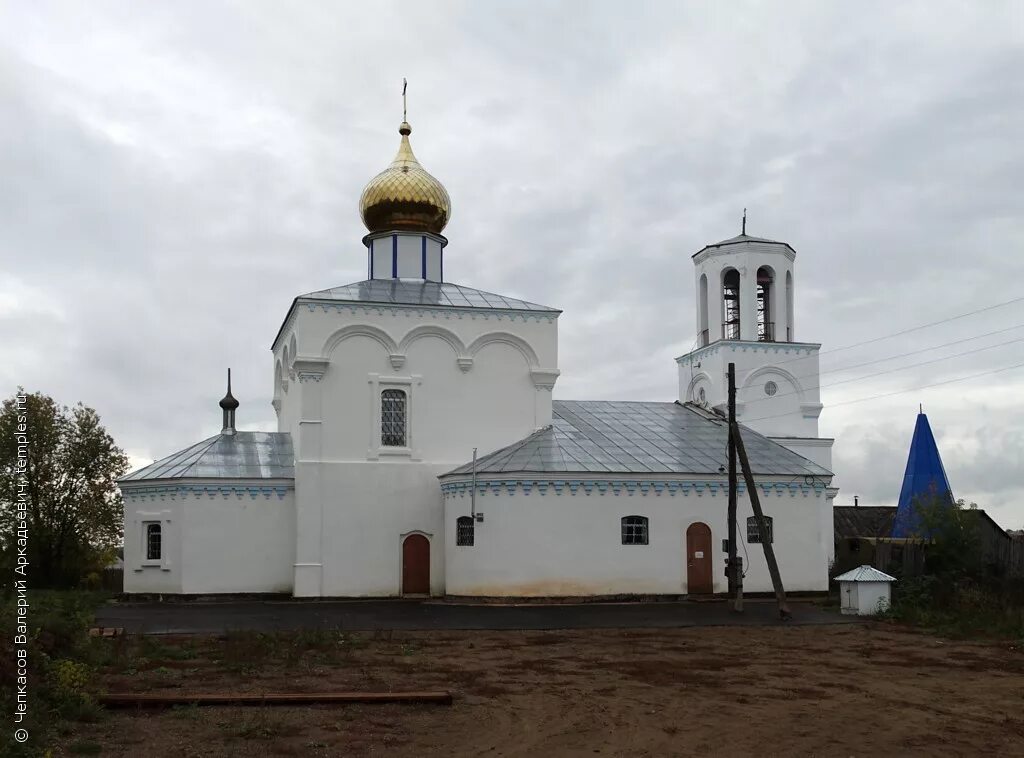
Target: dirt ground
point(844, 691)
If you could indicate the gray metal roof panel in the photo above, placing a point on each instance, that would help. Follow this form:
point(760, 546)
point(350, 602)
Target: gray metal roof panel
point(243, 455)
point(614, 437)
point(865, 573)
point(418, 292)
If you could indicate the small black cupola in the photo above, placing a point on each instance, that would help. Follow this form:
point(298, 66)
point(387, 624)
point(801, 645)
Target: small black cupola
point(229, 405)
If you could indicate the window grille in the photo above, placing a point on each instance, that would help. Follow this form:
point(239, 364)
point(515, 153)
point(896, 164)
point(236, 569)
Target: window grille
point(464, 531)
point(153, 542)
point(634, 530)
point(392, 413)
point(754, 534)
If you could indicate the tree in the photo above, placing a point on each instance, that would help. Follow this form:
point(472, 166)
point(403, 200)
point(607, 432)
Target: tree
point(73, 507)
point(952, 530)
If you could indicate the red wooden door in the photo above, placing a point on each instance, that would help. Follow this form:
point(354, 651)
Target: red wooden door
point(416, 565)
point(698, 559)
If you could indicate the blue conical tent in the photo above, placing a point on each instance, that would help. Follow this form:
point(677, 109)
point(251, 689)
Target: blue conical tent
point(925, 477)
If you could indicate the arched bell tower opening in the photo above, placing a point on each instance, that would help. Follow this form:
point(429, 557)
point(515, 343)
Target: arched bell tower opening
point(765, 310)
point(731, 325)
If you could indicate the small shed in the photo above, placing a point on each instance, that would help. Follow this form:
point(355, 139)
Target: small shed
point(864, 591)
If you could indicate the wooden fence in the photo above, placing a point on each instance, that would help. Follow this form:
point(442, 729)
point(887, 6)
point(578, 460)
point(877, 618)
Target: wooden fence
point(907, 558)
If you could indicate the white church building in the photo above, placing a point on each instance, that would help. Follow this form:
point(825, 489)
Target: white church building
point(385, 388)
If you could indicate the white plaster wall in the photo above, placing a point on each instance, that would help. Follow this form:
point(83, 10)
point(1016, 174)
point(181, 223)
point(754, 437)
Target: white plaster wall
point(551, 544)
point(238, 543)
point(368, 507)
point(211, 543)
point(472, 379)
point(162, 578)
point(816, 449)
point(794, 409)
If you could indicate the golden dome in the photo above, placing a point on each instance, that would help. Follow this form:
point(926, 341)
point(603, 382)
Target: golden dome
point(404, 197)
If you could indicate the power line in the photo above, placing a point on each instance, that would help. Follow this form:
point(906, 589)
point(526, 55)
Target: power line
point(924, 326)
point(900, 392)
point(917, 352)
point(903, 331)
point(887, 371)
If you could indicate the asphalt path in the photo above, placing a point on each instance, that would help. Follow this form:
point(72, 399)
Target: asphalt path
point(196, 617)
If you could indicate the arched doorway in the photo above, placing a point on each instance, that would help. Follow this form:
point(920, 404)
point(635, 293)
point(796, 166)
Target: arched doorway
point(416, 565)
point(699, 579)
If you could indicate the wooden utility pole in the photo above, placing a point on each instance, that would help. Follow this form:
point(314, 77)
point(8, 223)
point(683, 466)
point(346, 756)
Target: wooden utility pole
point(755, 502)
point(733, 572)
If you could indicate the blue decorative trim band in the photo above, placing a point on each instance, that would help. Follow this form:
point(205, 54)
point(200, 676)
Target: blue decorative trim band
point(628, 487)
point(182, 491)
point(394, 256)
point(449, 312)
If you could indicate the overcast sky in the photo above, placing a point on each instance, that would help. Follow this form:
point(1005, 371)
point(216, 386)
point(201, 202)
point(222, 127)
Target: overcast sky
point(173, 174)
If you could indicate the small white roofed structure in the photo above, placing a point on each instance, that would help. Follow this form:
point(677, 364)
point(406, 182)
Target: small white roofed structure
point(864, 591)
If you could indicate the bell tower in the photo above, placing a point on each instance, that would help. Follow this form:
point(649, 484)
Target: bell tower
point(745, 315)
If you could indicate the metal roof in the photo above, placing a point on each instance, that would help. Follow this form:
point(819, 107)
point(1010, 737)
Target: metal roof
point(740, 239)
point(923, 481)
point(419, 292)
point(243, 455)
point(850, 521)
point(865, 573)
point(614, 437)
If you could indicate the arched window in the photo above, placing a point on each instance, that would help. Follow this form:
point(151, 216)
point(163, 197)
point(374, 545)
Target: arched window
point(154, 540)
point(634, 530)
point(754, 534)
point(464, 531)
point(765, 317)
point(731, 305)
point(703, 300)
point(392, 418)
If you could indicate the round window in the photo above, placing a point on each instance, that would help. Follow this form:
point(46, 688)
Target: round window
point(702, 396)
point(771, 388)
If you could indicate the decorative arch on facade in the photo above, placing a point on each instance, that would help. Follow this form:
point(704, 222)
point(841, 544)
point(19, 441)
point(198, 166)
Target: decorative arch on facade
point(694, 383)
point(508, 339)
point(279, 383)
point(292, 350)
point(760, 373)
point(359, 330)
point(432, 330)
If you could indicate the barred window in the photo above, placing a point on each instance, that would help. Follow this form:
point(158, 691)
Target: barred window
point(634, 530)
point(464, 531)
point(754, 534)
point(153, 542)
point(392, 417)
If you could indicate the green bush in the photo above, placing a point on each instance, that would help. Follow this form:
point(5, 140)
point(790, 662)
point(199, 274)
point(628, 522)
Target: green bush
point(61, 673)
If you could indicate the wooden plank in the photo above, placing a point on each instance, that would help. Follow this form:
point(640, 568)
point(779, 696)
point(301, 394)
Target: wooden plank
point(144, 700)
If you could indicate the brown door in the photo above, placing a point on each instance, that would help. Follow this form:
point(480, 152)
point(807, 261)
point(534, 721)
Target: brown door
point(416, 565)
point(698, 559)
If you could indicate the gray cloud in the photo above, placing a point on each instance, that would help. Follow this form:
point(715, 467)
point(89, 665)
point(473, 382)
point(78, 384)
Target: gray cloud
point(175, 175)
